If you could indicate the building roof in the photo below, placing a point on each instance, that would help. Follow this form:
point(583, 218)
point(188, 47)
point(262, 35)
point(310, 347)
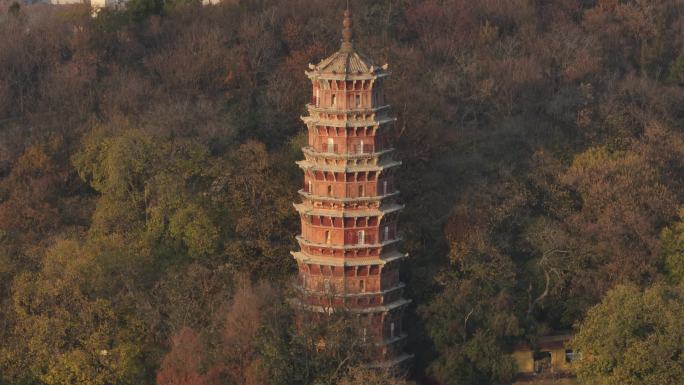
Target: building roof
point(384, 165)
point(549, 342)
point(356, 246)
point(364, 199)
point(307, 209)
point(349, 261)
point(347, 62)
point(398, 304)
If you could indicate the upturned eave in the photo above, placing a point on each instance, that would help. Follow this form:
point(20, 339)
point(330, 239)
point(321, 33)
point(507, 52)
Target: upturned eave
point(368, 310)
point(310, 120)
point(347, 213)
point(306, 165)
point(382, 244)
point(322, 75)
point(324, 198)
point(346, 261)
point(312, 108)
point(308, 150)
point(399, 286)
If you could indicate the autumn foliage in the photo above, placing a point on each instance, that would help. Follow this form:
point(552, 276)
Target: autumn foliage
point(147, 175)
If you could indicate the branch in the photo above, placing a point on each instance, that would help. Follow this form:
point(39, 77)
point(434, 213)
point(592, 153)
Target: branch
point(465, 324)
point(547, 277)
point(542, 295)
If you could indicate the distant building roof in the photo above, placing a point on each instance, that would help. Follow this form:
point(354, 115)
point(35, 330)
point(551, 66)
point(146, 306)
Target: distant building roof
point(550, 342)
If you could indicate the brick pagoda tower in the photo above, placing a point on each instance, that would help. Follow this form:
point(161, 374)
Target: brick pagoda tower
point(349, 256)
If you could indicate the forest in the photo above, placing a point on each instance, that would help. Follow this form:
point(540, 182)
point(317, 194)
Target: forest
point(147, 177)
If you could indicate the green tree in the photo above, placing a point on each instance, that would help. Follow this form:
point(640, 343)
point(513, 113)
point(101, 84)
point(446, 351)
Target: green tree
point(258, 198)
point(66, 332)
point(362, 376)
point(319, 351)
point(633, 337)
point(676, 74)
point(139, 10)
point(469, 335)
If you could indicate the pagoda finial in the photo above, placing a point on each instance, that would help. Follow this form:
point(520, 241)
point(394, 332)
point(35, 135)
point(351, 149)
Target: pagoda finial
point(347, 33)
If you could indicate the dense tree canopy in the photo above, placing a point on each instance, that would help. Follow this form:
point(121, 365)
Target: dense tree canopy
point(633, 338)
point(147, 174)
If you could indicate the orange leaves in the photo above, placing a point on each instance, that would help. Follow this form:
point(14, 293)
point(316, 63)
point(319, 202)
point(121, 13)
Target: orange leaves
point(183, 364)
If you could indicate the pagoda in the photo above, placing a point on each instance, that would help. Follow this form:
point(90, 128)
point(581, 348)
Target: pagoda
point(349, 246)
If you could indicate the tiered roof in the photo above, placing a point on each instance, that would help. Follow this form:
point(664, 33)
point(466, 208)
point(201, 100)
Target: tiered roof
point(381, 254)
point(347, 63)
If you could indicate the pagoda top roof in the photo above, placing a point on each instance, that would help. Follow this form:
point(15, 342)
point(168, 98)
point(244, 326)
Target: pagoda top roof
point(347, 62)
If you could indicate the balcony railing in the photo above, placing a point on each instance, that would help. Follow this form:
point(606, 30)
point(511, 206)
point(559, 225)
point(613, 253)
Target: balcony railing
point(368, 239)
point(330, 148)
point(351, 107)
point(363, 149)
point(352, 150)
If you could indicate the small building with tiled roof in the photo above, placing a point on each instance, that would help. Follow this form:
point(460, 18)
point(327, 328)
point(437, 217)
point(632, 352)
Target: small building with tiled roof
point(549, 356)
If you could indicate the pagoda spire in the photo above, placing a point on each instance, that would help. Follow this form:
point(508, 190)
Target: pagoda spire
point(347, 32)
